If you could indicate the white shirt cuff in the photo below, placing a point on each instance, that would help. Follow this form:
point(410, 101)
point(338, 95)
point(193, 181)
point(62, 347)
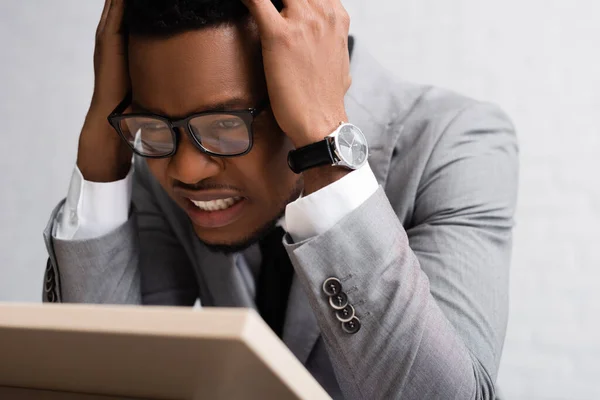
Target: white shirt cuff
point(318, 212)
point(93, 209)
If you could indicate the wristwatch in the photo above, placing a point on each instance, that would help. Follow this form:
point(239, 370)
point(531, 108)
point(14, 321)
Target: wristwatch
point(345, 147)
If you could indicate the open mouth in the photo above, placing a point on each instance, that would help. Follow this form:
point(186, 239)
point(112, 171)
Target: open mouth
point(216, 213)
point(216, 205)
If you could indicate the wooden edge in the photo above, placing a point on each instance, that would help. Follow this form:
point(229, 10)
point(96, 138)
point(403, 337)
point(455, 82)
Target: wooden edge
point(134, 320)
point(283, 364)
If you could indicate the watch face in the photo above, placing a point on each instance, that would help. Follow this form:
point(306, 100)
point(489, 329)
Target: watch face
point(352, 146)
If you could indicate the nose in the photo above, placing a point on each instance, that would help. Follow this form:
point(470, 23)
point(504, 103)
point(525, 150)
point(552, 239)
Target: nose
point(190, 165)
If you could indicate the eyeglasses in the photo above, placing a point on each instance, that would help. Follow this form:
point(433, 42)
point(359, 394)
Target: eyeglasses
point(217, 133)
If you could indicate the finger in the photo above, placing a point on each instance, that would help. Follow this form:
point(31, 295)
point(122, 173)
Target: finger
point(333, 10)
point(329, 3)
point(114, 19)
point(266, 15)
point(102, 22)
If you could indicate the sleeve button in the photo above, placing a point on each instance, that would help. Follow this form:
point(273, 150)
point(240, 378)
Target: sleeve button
point(50, 276)
point(49, 285)
point(345, 314)
point(332, 286)
point(339, 301)
point(352, 326)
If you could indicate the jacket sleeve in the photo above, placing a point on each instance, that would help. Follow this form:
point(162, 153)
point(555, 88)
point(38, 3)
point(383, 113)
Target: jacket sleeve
point(431, 298)
point(141, 261)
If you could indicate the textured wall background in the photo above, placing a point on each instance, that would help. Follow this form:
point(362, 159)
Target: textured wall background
point(538, 59)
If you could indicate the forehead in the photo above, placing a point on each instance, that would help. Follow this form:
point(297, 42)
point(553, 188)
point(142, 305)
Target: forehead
point(183, 73)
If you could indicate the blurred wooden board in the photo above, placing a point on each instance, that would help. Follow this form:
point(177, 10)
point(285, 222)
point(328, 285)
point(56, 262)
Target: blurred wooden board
point(147, 352)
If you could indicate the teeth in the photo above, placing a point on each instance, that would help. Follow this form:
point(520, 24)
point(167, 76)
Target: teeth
point(214, 205)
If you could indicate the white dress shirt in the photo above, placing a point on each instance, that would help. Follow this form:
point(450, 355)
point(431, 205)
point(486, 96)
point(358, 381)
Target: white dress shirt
point(95, 209)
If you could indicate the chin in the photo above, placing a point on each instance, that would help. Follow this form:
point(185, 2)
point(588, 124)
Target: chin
point(223, 242)
point(228, 240)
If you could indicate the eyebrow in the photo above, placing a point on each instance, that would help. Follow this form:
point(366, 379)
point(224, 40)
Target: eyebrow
point(234, 103)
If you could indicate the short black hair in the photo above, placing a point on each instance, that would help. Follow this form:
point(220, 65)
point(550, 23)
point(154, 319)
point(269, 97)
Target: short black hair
point(169, 17)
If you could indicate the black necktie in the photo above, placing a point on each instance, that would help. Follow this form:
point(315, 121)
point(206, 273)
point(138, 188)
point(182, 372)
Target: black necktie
point(274, 280)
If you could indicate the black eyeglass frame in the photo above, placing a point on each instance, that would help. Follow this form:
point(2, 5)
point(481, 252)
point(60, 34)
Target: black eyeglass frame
point(247, 115)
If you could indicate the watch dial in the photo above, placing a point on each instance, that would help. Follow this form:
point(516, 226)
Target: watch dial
point(352, 145)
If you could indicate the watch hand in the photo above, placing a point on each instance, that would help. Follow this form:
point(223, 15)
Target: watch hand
point(353, 140)
point(345, 141)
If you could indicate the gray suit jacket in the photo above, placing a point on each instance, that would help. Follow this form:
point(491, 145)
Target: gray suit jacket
point(424, 261)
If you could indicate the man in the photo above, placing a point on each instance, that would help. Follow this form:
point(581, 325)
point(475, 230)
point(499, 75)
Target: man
point(397, 285)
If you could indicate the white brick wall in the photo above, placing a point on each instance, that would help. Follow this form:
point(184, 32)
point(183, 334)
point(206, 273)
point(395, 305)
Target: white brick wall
point(538, 59)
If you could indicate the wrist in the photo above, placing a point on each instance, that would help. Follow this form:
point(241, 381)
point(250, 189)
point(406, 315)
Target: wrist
point(317, 129)
point(102, 155)
point(110, 165)
point(317, 178)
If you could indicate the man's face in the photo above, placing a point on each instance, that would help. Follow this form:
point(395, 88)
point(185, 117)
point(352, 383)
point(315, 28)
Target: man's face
point(192, 72)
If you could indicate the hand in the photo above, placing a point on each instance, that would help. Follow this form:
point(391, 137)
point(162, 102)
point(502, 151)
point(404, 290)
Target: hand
point(306, 62)
point(102, 155)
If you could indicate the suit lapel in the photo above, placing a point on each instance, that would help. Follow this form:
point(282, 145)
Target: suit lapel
point(224, 281)
point(300, 331)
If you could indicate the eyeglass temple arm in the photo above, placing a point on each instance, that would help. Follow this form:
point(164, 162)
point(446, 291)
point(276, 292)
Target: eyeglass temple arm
point(262, 106)
point(122, 105)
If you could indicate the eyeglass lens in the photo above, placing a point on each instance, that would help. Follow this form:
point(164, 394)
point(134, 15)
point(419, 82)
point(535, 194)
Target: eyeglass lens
point(224, 134)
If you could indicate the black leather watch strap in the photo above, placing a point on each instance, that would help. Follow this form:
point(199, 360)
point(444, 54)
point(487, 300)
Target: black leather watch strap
point(311, 156)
